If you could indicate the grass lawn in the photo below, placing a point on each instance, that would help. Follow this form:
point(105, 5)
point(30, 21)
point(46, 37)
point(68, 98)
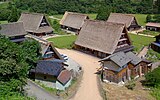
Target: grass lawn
point(64, 41)
point(4, 5)
point(147, 32)
point(141, 18)
point(3, 22)
point(91, 16)
point(140, 41)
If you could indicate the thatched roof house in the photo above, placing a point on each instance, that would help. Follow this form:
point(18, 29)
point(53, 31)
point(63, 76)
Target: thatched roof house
point(103, 38)
point(73, 21)
point(14, 31)
point(35, 23)
point(127, 19)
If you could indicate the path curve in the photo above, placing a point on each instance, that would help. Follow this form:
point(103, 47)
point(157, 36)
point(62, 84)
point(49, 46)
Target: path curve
point(88, 89)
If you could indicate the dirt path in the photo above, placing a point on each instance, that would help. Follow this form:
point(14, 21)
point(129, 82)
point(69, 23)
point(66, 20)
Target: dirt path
point(88, 89)
point(143, 52)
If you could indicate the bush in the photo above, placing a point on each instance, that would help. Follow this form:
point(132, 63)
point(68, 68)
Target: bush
point(152, 78)
point(130, 85)
point(148, 18)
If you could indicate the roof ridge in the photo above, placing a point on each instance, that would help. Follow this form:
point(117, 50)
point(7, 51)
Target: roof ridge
point(76, 13)
point(12, 23)
point(124, 14)
point(33, 13)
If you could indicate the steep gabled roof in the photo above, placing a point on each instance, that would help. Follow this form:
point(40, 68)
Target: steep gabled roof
point(74, 20)
point(32, 22)
point(12, 29)
point(100, 35)
point(64, 76)
point(121, 18)
point(44, 46)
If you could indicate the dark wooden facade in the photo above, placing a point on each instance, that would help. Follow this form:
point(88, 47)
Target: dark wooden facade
point(156, 45)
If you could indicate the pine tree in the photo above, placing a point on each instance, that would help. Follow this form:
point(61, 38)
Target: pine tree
point(13, 17)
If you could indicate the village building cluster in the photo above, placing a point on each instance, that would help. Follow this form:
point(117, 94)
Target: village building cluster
point(108, 40)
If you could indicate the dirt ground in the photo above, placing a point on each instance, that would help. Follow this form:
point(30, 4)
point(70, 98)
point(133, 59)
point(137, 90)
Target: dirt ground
point(88, 89)
point(115, 92)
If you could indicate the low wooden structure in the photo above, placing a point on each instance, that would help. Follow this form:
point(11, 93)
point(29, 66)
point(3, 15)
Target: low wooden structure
point(102, 38)
point(153, 26)
point(120, 67)
point(156, 45)
point(14, 31)
point(127, 19)
point(36, 24)
point(73, 21)
point(50, 69)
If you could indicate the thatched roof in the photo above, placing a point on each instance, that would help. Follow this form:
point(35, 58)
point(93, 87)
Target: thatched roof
point(100, 35)
point(12, 29)
point(74, 20)
point(153, 24)
point(32, 22)
point(121, 18)
point(45, 45)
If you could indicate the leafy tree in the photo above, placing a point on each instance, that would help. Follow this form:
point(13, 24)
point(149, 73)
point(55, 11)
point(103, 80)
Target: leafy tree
point(56, 26)
point(13, 17)
point(158, 5)
point(157, 18)
point(148, 18)
point(103, 13)
point(31, 50)
point(152, 78)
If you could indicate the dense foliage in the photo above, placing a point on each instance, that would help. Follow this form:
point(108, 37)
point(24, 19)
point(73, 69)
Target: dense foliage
point(152, 78)
point(87, 6)
point(14, 65)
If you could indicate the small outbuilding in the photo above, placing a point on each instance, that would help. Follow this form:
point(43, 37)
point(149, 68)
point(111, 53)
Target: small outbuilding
point(153, 26)
point(14, 31)
point(73, 21)
point(36, 24)
point(156, 45)
point(127, 19)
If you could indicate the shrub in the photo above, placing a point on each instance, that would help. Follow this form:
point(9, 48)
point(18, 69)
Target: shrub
point(130, 85)
point(152, 78)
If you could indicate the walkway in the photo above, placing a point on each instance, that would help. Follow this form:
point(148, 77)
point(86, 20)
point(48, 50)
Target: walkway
point(88, 89)
point(35, 91)
point(134, 32)
point(143, 52)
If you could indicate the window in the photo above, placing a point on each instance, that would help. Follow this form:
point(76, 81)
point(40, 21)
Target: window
point(45, 77)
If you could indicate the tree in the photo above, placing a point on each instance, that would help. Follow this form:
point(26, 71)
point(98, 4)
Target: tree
point(31, 51)
point(152, 78)
point(13, 17)
point(148, 18)
point(157, 18)
point(158, 5)
point(103, 13)
point(56, 26)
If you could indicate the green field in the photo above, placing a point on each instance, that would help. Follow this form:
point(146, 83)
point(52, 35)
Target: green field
point(63, 41)
point(140, 41)
point(3, 22)
point(141, 18)
point(147, 32)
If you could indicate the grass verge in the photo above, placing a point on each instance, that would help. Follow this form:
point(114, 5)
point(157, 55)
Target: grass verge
point(140, 41)
point(64, 41)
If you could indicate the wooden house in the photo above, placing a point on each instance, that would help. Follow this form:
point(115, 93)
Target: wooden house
point(156, 45)
point(51, 68)
point(120, 67)
point(127, 19)
point(102, 38)
point(36, 24)
point(14, 31)
point(73, 21)
point(153, 26)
